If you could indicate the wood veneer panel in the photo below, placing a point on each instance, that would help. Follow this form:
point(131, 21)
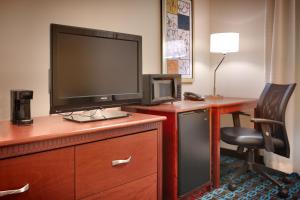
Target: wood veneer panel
point(170, 156)
point(54, 132)
point(160, 162)
point(170, 152)
point(51, 127)
point(187, 105)
point(94, 170)
point(145, 188)
point(216, 118)
point(49, 174)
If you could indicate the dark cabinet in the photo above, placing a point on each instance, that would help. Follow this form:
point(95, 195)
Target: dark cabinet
point(193, 151)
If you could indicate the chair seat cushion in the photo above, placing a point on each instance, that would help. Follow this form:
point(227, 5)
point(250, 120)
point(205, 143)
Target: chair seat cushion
point(246, 137)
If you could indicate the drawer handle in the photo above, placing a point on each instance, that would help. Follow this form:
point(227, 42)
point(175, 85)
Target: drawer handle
point(120, 162)
point(17, 191)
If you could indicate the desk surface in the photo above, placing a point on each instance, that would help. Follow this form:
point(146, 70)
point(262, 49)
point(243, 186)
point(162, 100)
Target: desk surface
point(51, 127)
point(186, 105)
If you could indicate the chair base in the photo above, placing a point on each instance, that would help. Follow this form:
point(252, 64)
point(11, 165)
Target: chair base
point(250, 165)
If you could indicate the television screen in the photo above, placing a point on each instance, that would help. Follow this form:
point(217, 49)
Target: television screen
point(93, 68)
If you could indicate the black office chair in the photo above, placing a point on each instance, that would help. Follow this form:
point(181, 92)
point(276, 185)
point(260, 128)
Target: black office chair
point(269, 133)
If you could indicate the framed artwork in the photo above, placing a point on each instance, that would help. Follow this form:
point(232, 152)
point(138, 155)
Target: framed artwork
point(177, 38)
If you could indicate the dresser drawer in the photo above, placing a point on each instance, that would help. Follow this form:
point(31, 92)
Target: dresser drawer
point(49, 175)
point(144, 188)
point(134, 156)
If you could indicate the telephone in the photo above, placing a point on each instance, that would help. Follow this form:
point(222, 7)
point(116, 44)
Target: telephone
point(192, 96)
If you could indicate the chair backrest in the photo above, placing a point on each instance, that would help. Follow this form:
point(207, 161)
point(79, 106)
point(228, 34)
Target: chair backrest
point(272, 105)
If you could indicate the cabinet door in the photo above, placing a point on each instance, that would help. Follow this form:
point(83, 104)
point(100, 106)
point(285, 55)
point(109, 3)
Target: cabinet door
point(50, 175)
point(194, 150)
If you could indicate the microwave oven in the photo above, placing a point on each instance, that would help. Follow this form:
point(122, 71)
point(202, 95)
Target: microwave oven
point(161, 88)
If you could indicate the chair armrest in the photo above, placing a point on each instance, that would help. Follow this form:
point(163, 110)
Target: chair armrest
point(266, 131)
point(266, 121)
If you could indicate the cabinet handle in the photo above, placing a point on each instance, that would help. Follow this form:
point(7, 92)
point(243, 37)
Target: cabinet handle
point(119, 162)
point(17, 191)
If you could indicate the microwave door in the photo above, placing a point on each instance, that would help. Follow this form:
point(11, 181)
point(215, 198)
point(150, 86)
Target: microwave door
point(162, 90)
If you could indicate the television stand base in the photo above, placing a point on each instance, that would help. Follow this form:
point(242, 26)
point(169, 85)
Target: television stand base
point(102, 115)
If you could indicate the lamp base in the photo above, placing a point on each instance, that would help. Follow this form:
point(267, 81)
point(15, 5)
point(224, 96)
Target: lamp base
point(214, 97)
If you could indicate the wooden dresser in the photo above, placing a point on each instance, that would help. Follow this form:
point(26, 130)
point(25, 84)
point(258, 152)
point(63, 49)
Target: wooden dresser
point(58, 159)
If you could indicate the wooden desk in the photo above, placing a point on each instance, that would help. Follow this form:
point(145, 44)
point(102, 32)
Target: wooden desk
point(170, 134)
point(225, 106)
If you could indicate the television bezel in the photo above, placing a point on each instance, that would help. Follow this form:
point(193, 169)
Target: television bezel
point(96, 101)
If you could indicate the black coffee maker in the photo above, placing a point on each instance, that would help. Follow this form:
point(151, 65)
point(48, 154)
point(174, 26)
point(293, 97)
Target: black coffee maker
point(20, 106)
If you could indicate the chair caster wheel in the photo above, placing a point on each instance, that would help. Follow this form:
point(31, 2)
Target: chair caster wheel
point(232, 186)
point(283, 193)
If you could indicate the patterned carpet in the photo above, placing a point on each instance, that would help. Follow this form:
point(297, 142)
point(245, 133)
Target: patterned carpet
point(251, 186)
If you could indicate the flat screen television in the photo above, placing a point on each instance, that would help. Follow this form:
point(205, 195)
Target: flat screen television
point(93, 68)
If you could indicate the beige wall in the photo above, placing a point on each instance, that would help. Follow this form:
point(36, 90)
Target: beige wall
point(241, 74)
point(25, 45)
point(297, 92)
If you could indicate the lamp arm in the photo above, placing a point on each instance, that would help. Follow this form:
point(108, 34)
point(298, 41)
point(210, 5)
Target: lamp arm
point(215, 72)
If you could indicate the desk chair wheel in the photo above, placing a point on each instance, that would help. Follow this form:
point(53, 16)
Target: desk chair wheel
point(232, 186)
point(283, 193)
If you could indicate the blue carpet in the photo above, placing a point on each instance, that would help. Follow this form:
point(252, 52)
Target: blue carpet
point(251, 185)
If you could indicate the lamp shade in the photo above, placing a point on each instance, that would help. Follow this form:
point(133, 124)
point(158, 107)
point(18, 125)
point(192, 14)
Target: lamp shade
point(224, 42)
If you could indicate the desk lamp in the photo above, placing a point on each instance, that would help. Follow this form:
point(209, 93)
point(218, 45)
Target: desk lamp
point(223, 43)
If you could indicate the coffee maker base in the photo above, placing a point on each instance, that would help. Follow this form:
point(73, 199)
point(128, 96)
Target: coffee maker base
point(23, 122)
